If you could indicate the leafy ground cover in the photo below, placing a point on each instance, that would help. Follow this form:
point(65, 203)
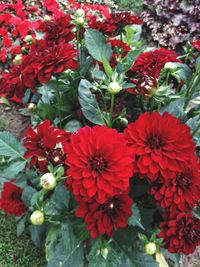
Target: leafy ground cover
point(14, 251)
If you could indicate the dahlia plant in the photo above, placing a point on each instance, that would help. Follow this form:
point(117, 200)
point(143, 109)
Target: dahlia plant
point(108, 172)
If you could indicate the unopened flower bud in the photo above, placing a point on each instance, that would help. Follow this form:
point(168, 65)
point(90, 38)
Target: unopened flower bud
point(170, 65)
point(79, 21)
point(17, 59)
point(150, 248)
point(124, 122)
point(47, 18)
point(37, 217)
point(28, 39)
point(24, 50)
point(32, 107)
point(80, 13)
point(114, 88)
point(48, 181)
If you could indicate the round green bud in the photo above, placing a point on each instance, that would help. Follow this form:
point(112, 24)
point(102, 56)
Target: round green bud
point(17, 59)
point(79, 21)
point(48, 181)
point(150, 248)
point(37, 217)
point(28, 39)
point(114, 88)
point(32, 107)
point(47, 18)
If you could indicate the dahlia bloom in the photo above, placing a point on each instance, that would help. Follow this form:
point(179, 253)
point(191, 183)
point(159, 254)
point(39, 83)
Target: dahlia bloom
point(147, 68)
point(11, 201)
point(58, 30)
point(116, 46)
point(196, 44)
point(181, 233)
point(100, 163)
point(44, 145)
point(107, 217)
point(161, 145)
point(181, 191)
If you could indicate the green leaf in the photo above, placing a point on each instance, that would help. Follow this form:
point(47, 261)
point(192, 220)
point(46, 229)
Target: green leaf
point(107, 67)
point(103, 256)
point(180, 71)
point(128, 61)
point(21, 225)
point(135, 219)
point(175, 108)
point(13, 169)
point(196, 212)
point(52, 240)
point(194, 124)
point(97, 46)
point(89, 103)
point(27, 195)
point(69, 251)
point(4, 101)
point(73, 126)
point(38, 234)
point(10, 147)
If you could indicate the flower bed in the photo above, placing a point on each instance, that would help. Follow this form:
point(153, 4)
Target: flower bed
point(108, 172)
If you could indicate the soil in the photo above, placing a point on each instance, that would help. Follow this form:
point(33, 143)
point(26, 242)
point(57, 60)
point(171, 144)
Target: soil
point(17, 123)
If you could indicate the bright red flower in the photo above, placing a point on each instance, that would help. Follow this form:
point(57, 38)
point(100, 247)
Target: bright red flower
point(181, 191)
point(100, 163)
point(44, 145)
point(107, 217)
point(58, 30)
point(196, 44)
point(181, 233)
point(11, 201)
point(161, 145)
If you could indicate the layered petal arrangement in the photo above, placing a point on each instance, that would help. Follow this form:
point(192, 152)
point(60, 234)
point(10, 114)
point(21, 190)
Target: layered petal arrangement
point(157, 147)
point(100, 163)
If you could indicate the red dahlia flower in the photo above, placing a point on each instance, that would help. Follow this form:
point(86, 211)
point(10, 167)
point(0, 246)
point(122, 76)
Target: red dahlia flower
point(107, 217)
point(151, 63)
point(180, 191)
point(100, 163)
point(196, 44)
point(181, 233)
point(161, 145)
point(11, 201)
point(44, 145)
point(58, 30)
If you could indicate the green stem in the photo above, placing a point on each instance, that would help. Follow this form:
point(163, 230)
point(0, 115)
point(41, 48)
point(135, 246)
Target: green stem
point(58, 98)
point(196, 130)
point(190, 90)
point(112, 102)
point(121, 43)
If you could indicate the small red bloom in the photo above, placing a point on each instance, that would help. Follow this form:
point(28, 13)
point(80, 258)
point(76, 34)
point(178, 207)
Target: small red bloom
point(196, 44)
point(181, 233)
point(11, 201)
point(107, 217)
point(100, 163)
point(44, 145)
point(181, 190)
point(161, 145)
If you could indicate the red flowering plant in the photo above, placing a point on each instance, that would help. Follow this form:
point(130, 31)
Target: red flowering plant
point(108, 172)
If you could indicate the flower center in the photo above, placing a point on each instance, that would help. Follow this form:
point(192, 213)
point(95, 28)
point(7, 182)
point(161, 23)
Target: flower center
point(56, 156)
point(15, 196)
point(98, 164)
point(155, 142)
point(192, 235)
point(183, 180)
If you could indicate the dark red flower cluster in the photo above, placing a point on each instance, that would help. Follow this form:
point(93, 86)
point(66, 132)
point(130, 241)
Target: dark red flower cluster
point(99, 168)
point(149, 65)
point(196, 44)
point(58, 30)
point(181, 233)
point(44, 145)
point(170, 164)
point(114, 24)
point(120, 49)
point(11, 201)
point(105, 218)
